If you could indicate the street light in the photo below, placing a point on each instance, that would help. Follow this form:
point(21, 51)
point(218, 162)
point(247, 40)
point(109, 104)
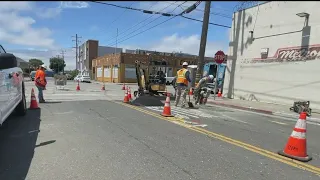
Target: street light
point(303, 14)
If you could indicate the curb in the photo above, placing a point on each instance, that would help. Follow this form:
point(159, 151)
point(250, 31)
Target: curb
point(316, 120)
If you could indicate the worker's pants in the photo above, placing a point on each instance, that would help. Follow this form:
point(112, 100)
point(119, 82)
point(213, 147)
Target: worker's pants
point(197, 95)
point(181, 89)
point(40, 93)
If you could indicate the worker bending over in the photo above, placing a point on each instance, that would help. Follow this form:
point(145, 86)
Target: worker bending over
point(202, 83)
point(183, 78)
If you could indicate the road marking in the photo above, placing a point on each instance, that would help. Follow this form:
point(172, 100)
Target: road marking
point(249, 147)
point(234, 119)
point(279, 122)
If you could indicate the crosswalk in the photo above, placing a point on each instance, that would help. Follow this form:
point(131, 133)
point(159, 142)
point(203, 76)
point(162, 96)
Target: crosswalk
point(184, 113)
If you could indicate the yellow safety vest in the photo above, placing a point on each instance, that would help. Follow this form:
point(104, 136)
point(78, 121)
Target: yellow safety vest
point(181, 76)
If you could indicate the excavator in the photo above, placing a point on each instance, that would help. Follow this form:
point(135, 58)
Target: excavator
point(151, 78)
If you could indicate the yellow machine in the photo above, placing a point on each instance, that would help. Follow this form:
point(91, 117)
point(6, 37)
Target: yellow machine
point(151, 78)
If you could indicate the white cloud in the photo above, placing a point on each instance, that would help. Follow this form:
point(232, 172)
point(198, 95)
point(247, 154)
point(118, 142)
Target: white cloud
point(45, 55)
point(187, 44)
point(74, 4)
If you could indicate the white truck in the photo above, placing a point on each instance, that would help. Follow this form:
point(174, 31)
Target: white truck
point(169, 80)
point(12, 89)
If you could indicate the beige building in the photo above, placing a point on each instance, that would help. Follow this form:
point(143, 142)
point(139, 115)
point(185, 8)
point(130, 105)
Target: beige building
point(274, 53)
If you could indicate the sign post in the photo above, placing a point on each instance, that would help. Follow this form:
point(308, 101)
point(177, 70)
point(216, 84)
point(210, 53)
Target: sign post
point(219, 57)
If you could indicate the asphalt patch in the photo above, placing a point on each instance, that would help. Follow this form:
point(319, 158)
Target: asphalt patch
point(147, 101)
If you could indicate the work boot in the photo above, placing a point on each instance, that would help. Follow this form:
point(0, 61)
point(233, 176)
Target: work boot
point(42, 101)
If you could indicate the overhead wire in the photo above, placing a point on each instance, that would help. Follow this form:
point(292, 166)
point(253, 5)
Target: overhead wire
point(148, 23)
point(139, 22)
point(180, 14)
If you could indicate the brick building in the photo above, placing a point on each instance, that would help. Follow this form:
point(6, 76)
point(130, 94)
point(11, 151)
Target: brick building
point(120, 67)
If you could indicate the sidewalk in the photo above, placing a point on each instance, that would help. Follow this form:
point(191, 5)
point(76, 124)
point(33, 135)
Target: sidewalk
point(264, 108)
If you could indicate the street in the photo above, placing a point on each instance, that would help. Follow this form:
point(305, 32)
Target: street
point(91, 134)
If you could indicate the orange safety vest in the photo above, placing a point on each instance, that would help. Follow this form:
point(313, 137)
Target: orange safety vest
point(181, 76)
point(40, 78)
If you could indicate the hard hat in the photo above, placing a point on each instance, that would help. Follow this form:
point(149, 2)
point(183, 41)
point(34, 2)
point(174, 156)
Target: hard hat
point(43, 66)
point(211, 76)
point(184, 64)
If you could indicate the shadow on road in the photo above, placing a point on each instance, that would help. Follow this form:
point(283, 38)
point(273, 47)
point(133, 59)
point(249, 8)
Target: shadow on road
point(52, 102)
point(18, 137)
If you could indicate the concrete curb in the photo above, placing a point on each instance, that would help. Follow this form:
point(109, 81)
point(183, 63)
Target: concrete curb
point(263, 111)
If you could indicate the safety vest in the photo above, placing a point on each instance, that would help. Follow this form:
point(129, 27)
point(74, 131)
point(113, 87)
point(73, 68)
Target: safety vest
point(40, 78)
point(181, 77)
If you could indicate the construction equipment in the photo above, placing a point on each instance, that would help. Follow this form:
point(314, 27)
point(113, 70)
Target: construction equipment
point(301, 106)
point(151, 79)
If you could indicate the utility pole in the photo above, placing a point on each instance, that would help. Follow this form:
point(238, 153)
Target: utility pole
point(115, 50)
point(62, 53)
point(203, 41)
point(76, 47)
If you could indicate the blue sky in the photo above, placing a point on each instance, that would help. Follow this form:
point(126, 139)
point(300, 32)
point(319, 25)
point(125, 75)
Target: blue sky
point(42, 29)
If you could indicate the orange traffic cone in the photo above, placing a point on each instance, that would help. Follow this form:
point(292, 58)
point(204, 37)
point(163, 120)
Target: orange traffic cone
point(219, 93)
point(78, 87)
point(129, 94)
point(33, 102)
point(167, 109)
point(191, 92)
point(296, 147)
point(126, 98)
point(103, 88)
point(123, 87)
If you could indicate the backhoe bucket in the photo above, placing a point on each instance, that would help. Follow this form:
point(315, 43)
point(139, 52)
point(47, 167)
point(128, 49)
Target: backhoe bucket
point(147, 100)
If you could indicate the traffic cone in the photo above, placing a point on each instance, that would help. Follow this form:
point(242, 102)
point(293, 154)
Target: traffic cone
point(123, 87)
point(103, 88)
point(167, 109)
point(33, 102)
point(191, 92)
point(78, 87)
point(129, 94)
point(219, 93)
point(296, 147)
point(126, 98)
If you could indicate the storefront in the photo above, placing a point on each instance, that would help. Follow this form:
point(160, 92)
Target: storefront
point(274, 53)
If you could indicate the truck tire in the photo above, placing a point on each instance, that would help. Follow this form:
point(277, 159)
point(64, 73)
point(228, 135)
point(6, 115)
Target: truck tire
point(7, 61)
point(21, 109)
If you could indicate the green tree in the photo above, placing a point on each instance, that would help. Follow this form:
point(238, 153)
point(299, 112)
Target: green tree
point(35, 63)
point(57, 64)
point(74, 73)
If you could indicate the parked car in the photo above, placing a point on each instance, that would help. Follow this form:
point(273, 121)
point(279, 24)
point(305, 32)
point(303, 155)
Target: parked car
point(12, 89)
point(32, 74)
point(82, 78)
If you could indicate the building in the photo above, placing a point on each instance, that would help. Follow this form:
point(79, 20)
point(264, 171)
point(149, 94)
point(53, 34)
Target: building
point(119, 68)
point(274, 53)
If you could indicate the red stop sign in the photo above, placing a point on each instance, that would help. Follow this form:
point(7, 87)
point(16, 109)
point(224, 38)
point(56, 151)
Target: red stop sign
point(219, 57)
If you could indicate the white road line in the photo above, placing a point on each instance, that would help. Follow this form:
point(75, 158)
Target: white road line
point(234, 119)
point(279, 123)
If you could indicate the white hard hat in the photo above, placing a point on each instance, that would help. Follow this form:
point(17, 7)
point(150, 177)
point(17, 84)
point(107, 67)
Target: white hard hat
point(211, 76)
point(44, 66)
point(184, 64)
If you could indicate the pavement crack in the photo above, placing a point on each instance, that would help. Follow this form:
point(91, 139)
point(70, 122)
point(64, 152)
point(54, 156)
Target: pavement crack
point(145, 144)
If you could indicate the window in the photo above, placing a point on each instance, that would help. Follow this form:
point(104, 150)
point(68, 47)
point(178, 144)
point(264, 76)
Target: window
point(2, 50)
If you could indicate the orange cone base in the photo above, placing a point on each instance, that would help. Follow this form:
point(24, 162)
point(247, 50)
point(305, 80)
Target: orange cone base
point(302, 159)
point(166, 115)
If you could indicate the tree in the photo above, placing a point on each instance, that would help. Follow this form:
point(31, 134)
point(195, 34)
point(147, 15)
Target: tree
point(74, 73)
point(57, 64)
point(35, 63)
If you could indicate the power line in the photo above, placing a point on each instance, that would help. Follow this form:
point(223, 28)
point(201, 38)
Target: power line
point(123, 12)
point(137, 23)
point(147, 23)
point(209, 22)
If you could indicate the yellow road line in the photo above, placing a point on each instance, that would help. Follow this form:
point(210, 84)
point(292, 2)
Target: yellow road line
point(246, 146)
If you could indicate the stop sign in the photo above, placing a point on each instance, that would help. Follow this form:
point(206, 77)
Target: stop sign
point(219, 57)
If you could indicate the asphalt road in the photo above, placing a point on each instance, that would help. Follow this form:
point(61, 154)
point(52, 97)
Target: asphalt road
point(90, 135)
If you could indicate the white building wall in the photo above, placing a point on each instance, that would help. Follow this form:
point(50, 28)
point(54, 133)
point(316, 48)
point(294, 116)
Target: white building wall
point(275, 25)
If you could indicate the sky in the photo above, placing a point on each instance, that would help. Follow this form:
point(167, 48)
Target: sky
point(45, 29)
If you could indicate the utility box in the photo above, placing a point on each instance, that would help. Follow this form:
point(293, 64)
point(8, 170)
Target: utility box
point(193, 71)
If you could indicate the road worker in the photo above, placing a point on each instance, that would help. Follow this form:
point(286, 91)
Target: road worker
point(202, 83)
point(41, 82)
point(183, 78)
